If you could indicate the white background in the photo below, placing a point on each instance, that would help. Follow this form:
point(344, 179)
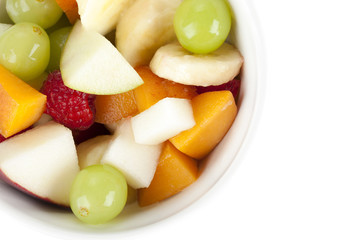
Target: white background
point(300, 175)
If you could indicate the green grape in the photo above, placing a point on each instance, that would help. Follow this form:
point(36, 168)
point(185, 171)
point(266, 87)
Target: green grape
point(202, 26)
point(25, 50)
point(45, 13)
point(57, 42)
point(98, 194)
point(63, 22)
point(37, 82)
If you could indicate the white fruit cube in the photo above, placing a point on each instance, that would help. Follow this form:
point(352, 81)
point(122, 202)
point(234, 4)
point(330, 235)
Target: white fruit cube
point(42, 161)
point(163, 120)
point(137, 162)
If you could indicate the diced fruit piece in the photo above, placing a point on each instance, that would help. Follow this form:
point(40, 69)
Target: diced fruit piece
point(57, 42)
point(25, 50)
point(45, 13)
point(214, 68)
point(201, 26)
point(21, 105)
point(91, 151)
point(214, 112)
point(4, 27)
point(144, 27)
point(91, 64)
point(98, 194)
point(4, 17)
point(44, 166)
point(101, 16)
point(174, 172)
point(156, 88)
point(70, 8)
point(2, 138)
point(233, 86)
point(112, 108)
point(165, 119)
point(136, 161)
point(74, 109)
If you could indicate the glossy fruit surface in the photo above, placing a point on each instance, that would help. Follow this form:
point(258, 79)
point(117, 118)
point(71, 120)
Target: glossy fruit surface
point(201, 26)
point(57, 42)
point(25, 50)
point(71, 108)
point(98, 194)
point(42, 12)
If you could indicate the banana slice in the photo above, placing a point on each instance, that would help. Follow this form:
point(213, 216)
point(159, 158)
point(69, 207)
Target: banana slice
point(101, 16)
point(144, 27)
point(174, 63)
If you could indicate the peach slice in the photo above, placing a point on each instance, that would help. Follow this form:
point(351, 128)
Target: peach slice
point(175, 171)
point(70, 8)
point(156, 88)
point(214, 112)
point(113, 108)
point(20, 104)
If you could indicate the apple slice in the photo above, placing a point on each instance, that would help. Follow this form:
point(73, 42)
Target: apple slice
point(91, 64)
point(101, 16)
point(41, 162)
point(163, 120)
point(136, 161)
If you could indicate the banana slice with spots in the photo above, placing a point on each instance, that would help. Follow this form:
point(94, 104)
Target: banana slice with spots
point(144, 27)
point(101, 15)
point(174, 63)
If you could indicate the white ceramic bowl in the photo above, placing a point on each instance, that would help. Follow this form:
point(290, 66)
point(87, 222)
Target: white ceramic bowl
point(245, 36)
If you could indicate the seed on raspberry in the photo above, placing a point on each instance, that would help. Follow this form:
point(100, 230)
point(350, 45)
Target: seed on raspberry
point(73, 109)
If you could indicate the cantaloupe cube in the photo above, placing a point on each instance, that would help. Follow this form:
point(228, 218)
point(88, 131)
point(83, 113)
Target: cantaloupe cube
point(156, 88)
point(214, 112)
point(70, 8)
point(112, 108)
point(175, 171)
point(20, 104)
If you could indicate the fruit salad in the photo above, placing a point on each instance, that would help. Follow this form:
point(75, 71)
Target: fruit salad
point(113, 102)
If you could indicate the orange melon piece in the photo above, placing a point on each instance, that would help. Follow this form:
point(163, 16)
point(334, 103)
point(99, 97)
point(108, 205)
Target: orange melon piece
point(156, 88)
point(214, 112)
point(70, 8)
point(20, 104)
point(112, 108)
point(175, 171)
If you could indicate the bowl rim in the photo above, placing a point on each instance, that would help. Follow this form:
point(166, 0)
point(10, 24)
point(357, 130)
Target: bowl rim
point(253, 122)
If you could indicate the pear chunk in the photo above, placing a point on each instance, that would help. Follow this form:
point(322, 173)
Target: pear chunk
point(136, 161)
point(91, 64)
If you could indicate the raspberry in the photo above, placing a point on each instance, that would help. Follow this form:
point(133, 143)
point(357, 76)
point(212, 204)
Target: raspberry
point(73, 109)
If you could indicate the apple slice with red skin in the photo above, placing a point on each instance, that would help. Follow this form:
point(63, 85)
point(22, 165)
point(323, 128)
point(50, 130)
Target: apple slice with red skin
point(41, 162)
